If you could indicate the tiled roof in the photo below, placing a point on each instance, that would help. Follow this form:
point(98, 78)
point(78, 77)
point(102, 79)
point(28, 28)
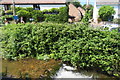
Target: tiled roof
point(107, 3)
point(33, 1)
point(107, 0)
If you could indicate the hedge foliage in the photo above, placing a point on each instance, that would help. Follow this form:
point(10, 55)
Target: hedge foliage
point(106, 12)
point(52, 15)
point(60, 16)
point(37, 15)
point(81, 46)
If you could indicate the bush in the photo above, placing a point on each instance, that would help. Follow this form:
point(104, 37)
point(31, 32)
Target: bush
point(18, 9)
point(76, 43)
point(63, 14)
point(61, 17)
point(51, 17)
point(89, 13)
point(37, 15)
point(106, 12)
point(53, 10)
point(25, 14)
point(6, 17)
point(9, 12)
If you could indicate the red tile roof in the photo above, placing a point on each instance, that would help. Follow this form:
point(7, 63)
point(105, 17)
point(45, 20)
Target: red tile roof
point(33, 1)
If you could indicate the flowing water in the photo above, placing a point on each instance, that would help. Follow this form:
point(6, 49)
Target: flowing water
point(71, 72)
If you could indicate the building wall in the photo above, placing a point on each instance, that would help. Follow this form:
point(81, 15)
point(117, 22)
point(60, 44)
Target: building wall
point(42, 7)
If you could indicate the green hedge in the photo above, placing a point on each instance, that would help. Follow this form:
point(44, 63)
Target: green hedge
point(76, 43)
point(62, 16)
point(38, 15)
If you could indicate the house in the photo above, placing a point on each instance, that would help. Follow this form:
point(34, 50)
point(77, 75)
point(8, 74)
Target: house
point(74, 13)
point(113, 3)
point(36, 4)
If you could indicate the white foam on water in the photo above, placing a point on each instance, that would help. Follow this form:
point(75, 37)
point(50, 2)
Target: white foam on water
point(69, 72)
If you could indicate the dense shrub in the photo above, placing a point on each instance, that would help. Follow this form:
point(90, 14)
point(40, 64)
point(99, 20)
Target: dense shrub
point(6, 17)
point(89, 13)
point(30, 10)
point(62, 16)
point(51, 17)
point(37, 15)
point(18, 9)
point(53, 10)
point(9, 11)
point(106, 12)
point(23, 13)
point(76, 43)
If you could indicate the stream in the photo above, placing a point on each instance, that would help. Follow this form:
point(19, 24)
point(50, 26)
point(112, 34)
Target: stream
point(66, 71)
point(36, 68)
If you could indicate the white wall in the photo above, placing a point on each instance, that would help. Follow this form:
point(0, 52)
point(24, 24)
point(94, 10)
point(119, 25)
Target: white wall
point(42, 7)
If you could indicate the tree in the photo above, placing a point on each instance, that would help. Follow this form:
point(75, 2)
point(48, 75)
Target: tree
point(89, 13)
point(106, 12)
point(76, 3)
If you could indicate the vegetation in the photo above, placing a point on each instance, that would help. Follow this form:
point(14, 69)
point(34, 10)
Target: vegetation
point(76, 4)
point(3, 18)
point(89, 13)
point(52, 15)
point(117, 21)
point(106, 12)
point(81, 46)
point(62, 15)
point(37, 15)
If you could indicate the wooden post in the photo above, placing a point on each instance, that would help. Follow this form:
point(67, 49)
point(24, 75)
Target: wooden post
point(14, 11)
point(13, 7)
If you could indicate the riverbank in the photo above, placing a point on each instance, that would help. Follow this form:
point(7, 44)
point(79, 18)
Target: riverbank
point(32, 68)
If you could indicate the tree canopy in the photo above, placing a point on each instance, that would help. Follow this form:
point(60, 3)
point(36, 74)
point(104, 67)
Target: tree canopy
point(106, 12)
